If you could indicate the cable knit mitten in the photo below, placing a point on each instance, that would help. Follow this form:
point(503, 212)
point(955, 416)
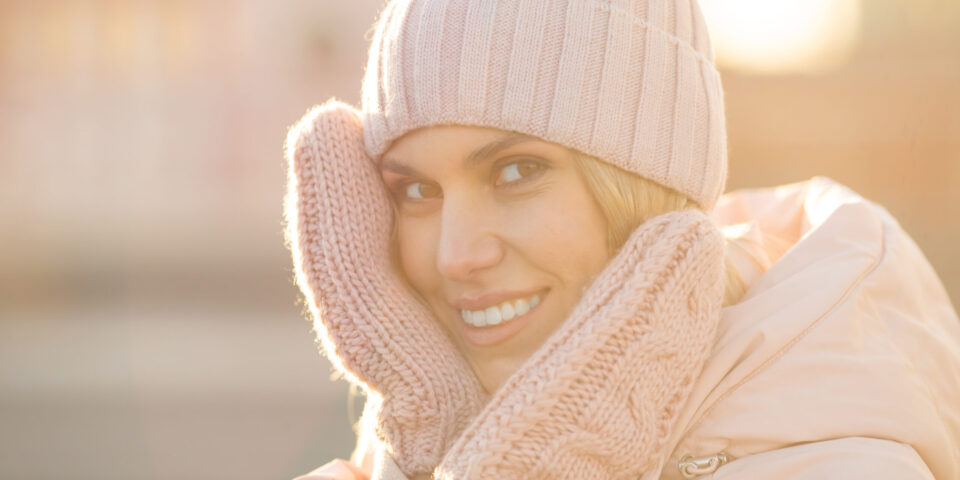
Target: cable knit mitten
point(598, 400)
point(339, 218)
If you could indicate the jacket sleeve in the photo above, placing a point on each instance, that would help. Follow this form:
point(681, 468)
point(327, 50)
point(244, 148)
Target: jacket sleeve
point(851, 457)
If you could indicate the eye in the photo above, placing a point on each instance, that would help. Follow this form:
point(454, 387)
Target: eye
point(420, 191)
point(517, 171)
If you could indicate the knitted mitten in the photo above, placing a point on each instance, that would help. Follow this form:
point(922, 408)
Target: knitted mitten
point(599, 398)
point(339, 218)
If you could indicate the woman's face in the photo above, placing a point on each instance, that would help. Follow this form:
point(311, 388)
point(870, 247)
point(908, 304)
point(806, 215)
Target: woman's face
point(499, 234)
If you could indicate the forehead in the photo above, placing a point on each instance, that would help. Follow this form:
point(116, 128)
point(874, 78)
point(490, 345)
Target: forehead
point(464, 146)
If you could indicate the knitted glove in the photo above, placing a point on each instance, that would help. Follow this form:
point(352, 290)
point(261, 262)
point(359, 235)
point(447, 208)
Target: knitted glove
point(339, 220)
point(599, 398)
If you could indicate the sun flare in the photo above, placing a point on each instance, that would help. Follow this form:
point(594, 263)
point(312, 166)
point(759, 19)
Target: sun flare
point(782, 36)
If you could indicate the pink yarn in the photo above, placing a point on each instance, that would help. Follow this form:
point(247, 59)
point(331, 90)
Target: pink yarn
point(628, 81)
point(597, 400)
point(373, 331)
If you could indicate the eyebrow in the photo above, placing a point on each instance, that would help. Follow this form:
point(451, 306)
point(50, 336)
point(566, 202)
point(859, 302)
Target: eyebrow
point(477, 156)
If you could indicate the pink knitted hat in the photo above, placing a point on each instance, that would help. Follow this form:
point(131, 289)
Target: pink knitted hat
point(631, 82)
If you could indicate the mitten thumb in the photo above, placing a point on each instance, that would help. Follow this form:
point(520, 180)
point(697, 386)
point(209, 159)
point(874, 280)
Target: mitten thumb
point(373, 330)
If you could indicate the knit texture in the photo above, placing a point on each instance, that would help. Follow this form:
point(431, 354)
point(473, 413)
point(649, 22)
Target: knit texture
point(629, 81)
point(597, 400)
point(339, 219)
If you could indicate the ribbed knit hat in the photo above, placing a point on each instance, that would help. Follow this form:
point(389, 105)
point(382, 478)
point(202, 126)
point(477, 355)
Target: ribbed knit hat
point(631, 82)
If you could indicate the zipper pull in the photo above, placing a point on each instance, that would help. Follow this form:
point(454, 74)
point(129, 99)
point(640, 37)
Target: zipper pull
point(693, 467)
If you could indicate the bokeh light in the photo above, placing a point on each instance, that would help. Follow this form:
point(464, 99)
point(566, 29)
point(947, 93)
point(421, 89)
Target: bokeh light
point(149, 324)
point(783, 36)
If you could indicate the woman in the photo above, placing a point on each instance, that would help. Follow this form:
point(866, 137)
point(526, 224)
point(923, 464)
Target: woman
point(515, 249)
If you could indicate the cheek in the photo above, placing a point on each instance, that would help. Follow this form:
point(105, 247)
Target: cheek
point(566, 227)
point(417, 252)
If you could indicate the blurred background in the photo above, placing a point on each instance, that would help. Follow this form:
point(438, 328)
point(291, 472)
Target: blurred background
point(149, 326)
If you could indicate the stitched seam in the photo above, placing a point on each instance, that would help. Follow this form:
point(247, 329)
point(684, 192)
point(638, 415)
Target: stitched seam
point(846, 294)
point(643, 23)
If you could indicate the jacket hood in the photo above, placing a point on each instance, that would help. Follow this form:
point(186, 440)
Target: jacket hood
point(845, 330)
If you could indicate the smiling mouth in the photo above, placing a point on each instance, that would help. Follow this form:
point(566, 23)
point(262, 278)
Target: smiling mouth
point(502, 313)
point(514, 316)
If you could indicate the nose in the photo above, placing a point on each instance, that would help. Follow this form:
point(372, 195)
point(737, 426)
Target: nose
point(468, 242)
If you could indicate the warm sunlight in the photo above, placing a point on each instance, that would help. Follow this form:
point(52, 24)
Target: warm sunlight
point(782, 36)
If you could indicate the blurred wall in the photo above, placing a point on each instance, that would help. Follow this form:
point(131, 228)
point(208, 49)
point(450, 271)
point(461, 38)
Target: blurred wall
point(887, 124)
point(149, 326)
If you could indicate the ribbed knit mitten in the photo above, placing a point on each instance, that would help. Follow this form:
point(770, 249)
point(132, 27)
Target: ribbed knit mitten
point(371, 327)
point(599, 399)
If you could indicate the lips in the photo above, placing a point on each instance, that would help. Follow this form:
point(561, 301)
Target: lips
point(492, 334)
point(492, 298)
point(504, 312)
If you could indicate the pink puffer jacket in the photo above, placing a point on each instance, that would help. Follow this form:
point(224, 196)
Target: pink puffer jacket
point(842, 360)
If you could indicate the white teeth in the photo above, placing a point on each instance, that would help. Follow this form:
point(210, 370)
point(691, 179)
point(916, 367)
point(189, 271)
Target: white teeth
point(522, 307)
point(497, 314)
point(493, 315)
point(507, 311)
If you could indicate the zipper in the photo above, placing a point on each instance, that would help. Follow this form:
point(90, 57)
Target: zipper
point(692, 467)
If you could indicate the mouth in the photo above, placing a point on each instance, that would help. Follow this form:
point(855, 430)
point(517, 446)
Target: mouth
point(497, 323)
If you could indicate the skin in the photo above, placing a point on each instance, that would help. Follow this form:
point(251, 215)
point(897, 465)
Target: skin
point(519, 218)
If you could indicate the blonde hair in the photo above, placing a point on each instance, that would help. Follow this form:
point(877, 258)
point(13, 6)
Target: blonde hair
point(627, 200)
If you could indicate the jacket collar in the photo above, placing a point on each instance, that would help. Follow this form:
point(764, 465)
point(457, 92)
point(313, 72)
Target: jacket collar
point(821, 238)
